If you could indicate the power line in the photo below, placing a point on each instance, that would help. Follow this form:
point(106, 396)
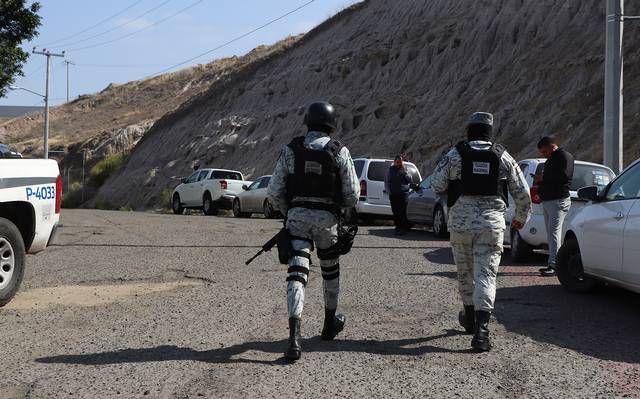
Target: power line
point(139, 30)
point(118, 26)
point(92, 26)
point(234, 39)
point(122, 65)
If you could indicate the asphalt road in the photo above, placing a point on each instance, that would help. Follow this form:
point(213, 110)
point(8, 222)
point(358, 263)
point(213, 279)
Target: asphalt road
point(148, 305)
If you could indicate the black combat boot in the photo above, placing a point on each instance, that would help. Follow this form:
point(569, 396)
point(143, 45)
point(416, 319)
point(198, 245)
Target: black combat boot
point(333, 324)
point(466, 318)
point(481, 342)
point(294, 351)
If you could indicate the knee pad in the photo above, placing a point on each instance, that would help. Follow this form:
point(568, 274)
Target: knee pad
point(330, 270)
point(333, 252)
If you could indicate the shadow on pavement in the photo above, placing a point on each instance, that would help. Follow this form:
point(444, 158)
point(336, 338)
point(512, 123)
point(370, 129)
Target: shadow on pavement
point(443, 256)
point(401, 347)
point(411, 235)
point(603, 325)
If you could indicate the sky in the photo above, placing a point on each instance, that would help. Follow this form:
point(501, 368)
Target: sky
point(122, 40)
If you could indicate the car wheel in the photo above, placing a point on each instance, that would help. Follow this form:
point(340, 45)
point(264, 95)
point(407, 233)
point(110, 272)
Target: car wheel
point(237, 210)
point(12, 254)
point(176, 205)
point(520, 250)
point(440, 223)
point(208, 206)
point(570, 271)
point(268, 211)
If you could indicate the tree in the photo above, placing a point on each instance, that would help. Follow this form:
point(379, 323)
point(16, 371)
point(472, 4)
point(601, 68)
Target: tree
point(17, 24)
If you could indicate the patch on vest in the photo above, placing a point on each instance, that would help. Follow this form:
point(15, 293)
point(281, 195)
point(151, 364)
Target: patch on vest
point(481, 168)
point(312, 167)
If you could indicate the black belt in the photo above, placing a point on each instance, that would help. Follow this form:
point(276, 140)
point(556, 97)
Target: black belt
point(317, 206)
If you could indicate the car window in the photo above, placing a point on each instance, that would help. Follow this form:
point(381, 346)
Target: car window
point(524, 167)
point(203, 175)
point(378, 170)
point(264, 182)
point(359, 165)
point(193, 177)
point(224, 175)
point(426, 183)
point(413, 173)
point(589, 175)
point(254, 185)
point(627, 186)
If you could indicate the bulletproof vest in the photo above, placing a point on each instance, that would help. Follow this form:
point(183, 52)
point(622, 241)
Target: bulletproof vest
point(481, 172)
point(316, 173)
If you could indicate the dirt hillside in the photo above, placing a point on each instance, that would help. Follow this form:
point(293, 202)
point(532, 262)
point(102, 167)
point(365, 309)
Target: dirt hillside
point(404, 76)
point(114, 119)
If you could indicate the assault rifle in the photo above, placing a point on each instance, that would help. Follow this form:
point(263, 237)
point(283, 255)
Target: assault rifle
point(283, 242)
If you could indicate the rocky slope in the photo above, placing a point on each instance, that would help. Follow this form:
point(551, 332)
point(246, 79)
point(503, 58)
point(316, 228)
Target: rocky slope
point(113, 120)
point(404, 76)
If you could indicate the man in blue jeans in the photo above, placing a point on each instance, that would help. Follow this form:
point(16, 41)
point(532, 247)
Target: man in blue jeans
point(553, 189)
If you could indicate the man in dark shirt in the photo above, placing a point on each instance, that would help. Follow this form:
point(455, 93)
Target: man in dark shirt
point(396, 184)
point(553, 189)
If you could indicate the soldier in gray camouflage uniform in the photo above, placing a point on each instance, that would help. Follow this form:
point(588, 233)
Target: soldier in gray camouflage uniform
point(477, 176)
point(313, 179)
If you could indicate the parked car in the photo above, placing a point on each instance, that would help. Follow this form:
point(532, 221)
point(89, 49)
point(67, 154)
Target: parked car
point(254, 199)
point(534, 234)
point(30, 199)
point(374, 201)
point(601, 242)
point(6, 152)
point(209, 190)
point(427, 208)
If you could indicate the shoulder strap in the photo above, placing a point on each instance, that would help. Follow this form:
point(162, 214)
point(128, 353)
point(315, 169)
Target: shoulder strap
point(498, 149)
point(334, 147)
point(297, 142)
point(462, 147)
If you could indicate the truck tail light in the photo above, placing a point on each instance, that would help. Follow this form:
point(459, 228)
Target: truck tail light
point(58, 193)
point(535, 198)
point(363, 188)
point(223, 184)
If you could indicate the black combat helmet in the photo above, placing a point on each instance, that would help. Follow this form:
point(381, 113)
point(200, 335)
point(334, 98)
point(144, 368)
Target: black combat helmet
point(321, 116)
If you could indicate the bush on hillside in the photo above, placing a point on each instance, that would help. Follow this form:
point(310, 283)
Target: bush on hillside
point(106, 167)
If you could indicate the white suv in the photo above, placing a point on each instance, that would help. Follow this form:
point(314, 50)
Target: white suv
point(601, 242)
point(534, 234)
point(374, 201)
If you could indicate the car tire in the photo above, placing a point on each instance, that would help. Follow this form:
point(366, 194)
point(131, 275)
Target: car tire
point(12, 255)
point(570, 271)
point(440, 223)
point(267, 209)
point(176, 205)
point(208, 206)
point(237, 210)
point(520, 250)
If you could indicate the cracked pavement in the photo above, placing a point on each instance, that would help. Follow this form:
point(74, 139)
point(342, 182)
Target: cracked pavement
point(162, 306)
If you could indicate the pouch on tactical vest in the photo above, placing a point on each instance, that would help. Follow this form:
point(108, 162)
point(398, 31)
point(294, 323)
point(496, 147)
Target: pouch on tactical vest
point(480, 173)
point(316, 172)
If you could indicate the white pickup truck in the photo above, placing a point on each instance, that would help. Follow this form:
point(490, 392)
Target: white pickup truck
point(30, 198)
point(209, 190)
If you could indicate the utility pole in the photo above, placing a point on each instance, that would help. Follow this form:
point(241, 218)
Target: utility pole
point(48, 54)
point(67, 62)
point(613, 92)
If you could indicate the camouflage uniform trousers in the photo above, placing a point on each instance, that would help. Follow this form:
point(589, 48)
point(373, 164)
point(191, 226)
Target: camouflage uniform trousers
point(321, 227)
point(477, 254)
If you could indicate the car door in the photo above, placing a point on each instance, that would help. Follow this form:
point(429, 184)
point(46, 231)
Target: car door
point(603, 225)
point(376, 173)
point(416, 203)
point(631, 249)
point(187, 191)
point(249, 197)
point(198, 187)
point(261, 193)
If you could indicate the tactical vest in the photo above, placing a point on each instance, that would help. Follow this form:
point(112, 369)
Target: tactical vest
point(480, 173)
point(316, 172)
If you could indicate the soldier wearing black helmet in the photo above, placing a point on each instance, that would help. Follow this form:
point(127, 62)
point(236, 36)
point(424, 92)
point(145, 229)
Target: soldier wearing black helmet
point(313, 182)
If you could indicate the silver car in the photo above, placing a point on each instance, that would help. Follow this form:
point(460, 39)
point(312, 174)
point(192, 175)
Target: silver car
point(425, 207)
point(254, 199)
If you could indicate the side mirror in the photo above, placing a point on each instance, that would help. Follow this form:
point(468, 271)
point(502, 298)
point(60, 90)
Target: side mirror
point(245, 187)
point(184, 180)
point(414, 187)
point(588, 193)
